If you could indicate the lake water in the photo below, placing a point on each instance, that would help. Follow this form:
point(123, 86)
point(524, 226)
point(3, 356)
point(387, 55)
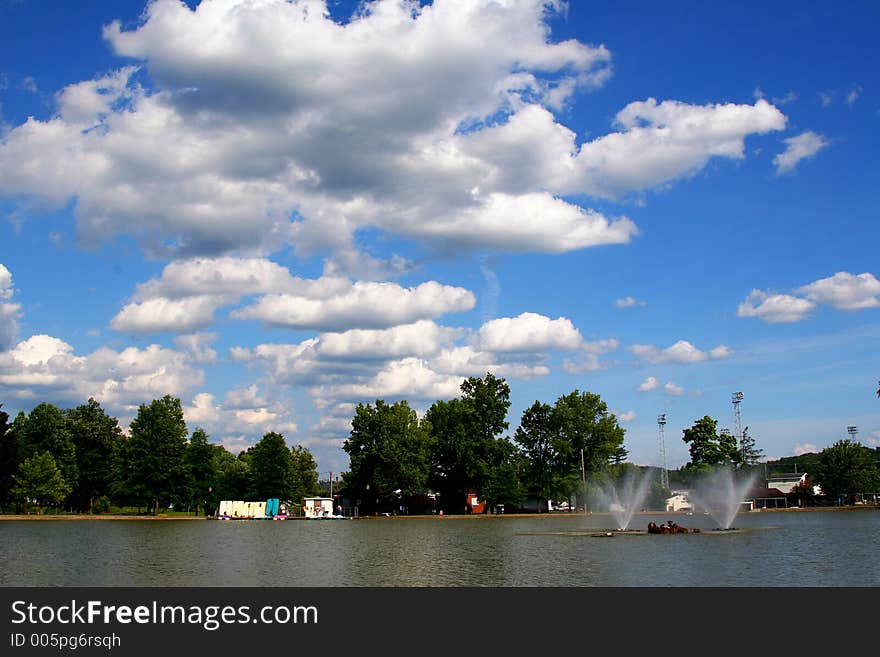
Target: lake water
point(794, 548)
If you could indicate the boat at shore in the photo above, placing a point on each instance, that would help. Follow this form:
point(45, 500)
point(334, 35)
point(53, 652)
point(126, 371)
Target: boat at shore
point(321, 508)
point(271, 509)
point(328, 516)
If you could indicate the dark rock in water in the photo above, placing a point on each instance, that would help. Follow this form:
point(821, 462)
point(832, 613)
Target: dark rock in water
point(669, 528)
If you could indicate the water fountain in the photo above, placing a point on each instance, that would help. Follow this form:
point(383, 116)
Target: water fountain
point(721, 494)
point(624, 498)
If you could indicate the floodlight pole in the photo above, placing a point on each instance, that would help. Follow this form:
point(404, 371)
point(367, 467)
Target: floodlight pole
point(664, 475)
point(737, 398)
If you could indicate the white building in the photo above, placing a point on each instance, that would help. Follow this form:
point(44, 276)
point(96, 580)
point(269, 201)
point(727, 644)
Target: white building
point(786, 481)
point(680, 501)
point(315, 507)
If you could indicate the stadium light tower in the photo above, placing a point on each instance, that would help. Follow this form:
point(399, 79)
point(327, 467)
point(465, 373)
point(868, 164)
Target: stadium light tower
point(737, 398)
point(852, 431)
point(664, 475)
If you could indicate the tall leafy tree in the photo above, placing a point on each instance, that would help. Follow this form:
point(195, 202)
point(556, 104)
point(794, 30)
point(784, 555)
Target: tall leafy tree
point(388, 454)
point(233, 476)
point(750, 455)
point(153, 456)
point(619, 456)
point(488, 400)
point(803, 494)
point(46, 430)
point(536, 438)
point(505, 482)
point(847, 468)
point(96, 437)
point(452, 468)
point(463, 435)
point(8, 457)
point(201, 471)
point(39, 480)
point(707, 447)
point(587, 438)
point(271, 468)
point(305, 473)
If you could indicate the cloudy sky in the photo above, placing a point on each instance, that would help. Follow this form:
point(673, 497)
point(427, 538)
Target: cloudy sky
point(276, 210)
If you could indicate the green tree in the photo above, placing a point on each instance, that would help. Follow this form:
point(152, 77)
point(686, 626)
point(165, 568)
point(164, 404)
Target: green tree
point(802, 494)
point(388, 455)
point(233, 476)
point(201, 470)
point(587, 437)
point(847, 469)
point(153, 456)
point(488, 401)
point(749, 453)
point(707, 447)
point(451, 470)
point(8, 458)
point(96, 436)
point(39, 480)
point(505, 482)
point(619, 456)
point(271, 468)
point(536, 438)
point(46, 430)
point(463, 434)
point(305, 473)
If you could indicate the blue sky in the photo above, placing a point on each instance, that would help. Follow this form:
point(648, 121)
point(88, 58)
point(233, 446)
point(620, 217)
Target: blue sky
point(277, 210)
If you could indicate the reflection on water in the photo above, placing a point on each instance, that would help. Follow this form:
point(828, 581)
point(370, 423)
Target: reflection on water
point(803, 548)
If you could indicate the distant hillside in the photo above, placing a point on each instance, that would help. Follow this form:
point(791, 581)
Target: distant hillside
point(803, 463)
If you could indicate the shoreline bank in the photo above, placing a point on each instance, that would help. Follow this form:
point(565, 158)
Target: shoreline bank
point(160, 517)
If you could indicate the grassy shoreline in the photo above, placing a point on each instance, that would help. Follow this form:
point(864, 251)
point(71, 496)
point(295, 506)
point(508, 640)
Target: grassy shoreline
point(166, 518)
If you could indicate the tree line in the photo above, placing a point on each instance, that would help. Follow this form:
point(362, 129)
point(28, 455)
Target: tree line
point(844, 471)
point(560, 451)
point(456, 449)
point(80, 460)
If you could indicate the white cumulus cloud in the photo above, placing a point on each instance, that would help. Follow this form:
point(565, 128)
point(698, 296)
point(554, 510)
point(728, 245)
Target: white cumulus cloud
point(629, 302)
point(422, 338)
point(235, 424)
point(842, 291)
point(803, 146)
point(409, 378)
point(9, 312)
point(529, 332)
point(682, 352)
point(650, 383)
point(845, 291)
point(775, 308)
point(365, 304)
point(189, 294)
point(588, 356)
point(662, 141)
point(163, 314)
point(44, 366)
point(269, 125)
